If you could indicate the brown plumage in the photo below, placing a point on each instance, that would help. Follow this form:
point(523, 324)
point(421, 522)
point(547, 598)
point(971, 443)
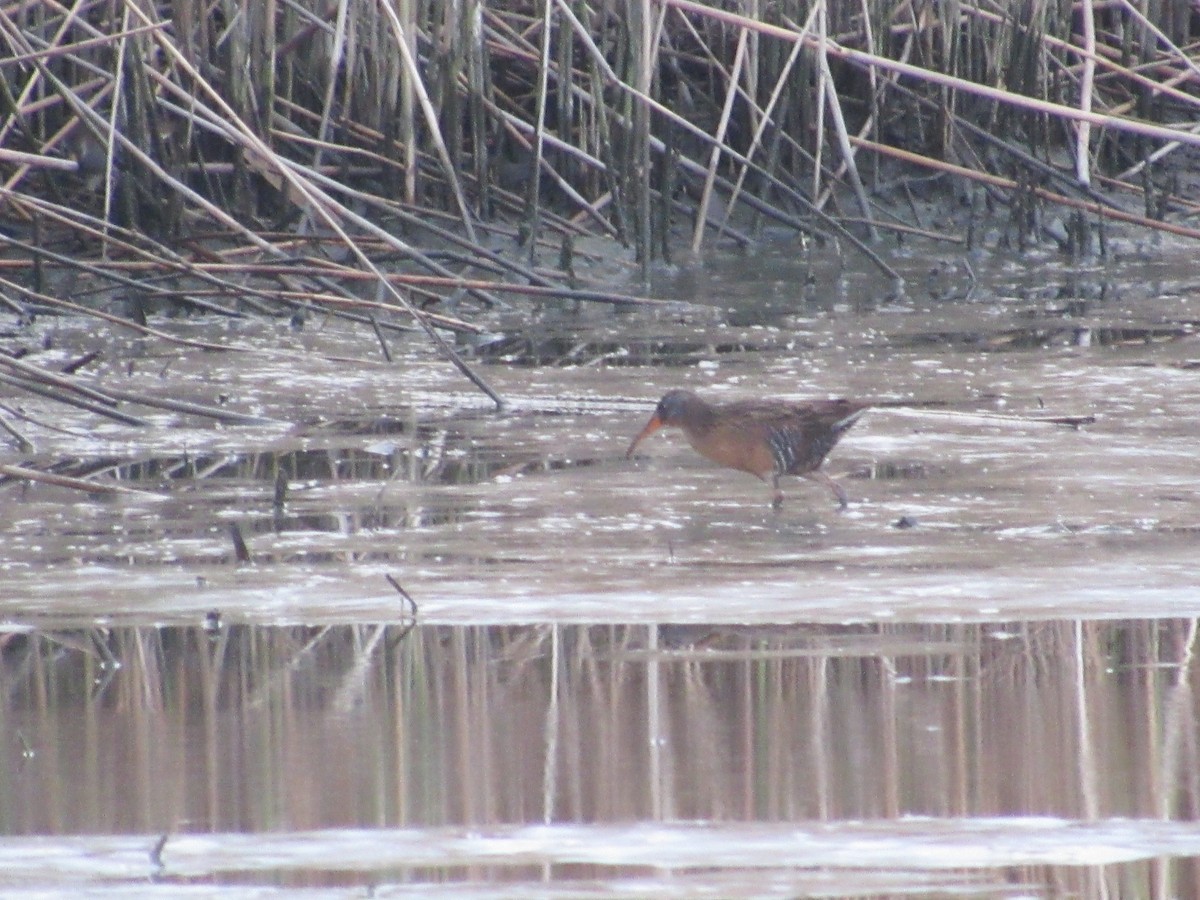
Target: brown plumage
point(767, 438)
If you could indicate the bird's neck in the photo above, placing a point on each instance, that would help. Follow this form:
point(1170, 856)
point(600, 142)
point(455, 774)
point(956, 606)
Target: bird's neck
point(699, 416)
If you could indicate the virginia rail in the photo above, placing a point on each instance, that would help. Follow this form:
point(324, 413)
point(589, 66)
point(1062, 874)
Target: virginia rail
point(767, 438)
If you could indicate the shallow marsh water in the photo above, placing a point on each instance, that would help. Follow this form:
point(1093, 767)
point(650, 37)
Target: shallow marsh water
point(628, 677)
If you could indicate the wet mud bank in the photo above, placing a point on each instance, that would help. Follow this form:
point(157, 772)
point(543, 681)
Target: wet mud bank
point(969, 496)
point(979, 676)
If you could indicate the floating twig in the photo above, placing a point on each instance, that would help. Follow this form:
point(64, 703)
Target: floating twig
point(23, 473)
point(412, 614)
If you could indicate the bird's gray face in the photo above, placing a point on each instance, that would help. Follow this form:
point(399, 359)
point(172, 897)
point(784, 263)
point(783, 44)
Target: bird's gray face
point(670, 411)
point(672, 407)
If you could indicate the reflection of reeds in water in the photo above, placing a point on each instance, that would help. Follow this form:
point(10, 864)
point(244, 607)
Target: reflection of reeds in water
point(260, 728)
point(228, 162)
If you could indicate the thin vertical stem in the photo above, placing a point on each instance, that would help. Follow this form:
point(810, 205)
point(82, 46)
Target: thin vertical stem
point(1083, 128)
point(111, 148)
point(819, 129)
point(766, 119)
point(843, 137)
point(640, 137)
point(714, 156)
point(532, 211)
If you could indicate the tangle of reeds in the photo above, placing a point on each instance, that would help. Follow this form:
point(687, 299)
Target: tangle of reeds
point(372, 159)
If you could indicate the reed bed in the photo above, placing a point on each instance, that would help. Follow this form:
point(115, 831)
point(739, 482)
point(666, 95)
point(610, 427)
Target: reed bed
point(379, 160)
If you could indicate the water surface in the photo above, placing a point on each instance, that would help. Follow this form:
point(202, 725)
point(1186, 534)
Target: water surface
point(623, 677)
point(1013, 758)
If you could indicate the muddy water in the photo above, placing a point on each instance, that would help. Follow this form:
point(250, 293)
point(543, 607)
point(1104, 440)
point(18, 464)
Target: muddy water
point(533, 514)
point(977, 679)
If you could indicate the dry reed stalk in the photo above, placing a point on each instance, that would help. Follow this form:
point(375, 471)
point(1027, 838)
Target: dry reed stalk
point(765, 118)
point(1083, 166)
point(332, 213)
point(714, 153)
point(868, 60)
point(606, 73)
point(37, 160)
point(518, 128)
point(338, 54)
point(821, 99)
point(431, 122)
point(533, 197)
point(839, 127)
point(56, 50)
point(154, 257)
point(690, 165)
point(1100, 56)
point(78, 309)
point(871, 122)
point(71, 398)
point(110, 142)
point(306, 181)
point(644, 31)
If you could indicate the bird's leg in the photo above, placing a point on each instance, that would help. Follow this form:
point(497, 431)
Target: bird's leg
point(777, 500)
point(819, 476)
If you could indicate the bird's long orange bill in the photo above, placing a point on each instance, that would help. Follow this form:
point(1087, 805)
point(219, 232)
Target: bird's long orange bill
point(652, 426)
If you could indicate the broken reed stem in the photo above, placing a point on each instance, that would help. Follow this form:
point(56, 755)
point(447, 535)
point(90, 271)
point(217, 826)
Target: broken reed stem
point(435, 131)
point(38, 160)
point(105, 399)
point(332, 214)
point(71, 398)
point(23, 473)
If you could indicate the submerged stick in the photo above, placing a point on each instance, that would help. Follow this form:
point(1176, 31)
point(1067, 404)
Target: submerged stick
point(103, 400)
point(46, 390)
point(22, 473)
point(23, 443)
point(227, 416)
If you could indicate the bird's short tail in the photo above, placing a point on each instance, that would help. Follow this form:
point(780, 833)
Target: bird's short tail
point(849, 419)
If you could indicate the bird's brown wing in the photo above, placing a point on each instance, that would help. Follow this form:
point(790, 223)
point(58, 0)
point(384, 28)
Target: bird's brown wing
point(799, 435)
